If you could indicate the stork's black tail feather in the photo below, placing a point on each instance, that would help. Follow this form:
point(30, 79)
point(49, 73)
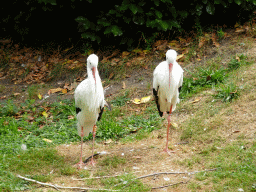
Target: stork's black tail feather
point(156, 100)
point(100, 114)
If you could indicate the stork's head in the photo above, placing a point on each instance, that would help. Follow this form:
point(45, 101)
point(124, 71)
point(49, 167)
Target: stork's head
point(92, 63)
point(171, 56)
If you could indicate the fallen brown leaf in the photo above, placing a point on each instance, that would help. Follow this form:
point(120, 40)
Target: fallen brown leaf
point(30, 118)
point(196, 100)
point(66, 86)
point(201, 42)
point(135, 130)
point(3, 97)
point(39, 96)
point(70, 117)
point(64, 91)
point(180, 56)
point(125, 54)
point(239, 30)
point(54, 90)
point(108, 141)
point(237, 58)
point(214, 40)
point(47, 140)
point(124, 86)
point(111, 75)
point(16, 94)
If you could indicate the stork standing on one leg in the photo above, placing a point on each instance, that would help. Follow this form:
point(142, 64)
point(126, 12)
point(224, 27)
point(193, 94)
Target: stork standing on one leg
point(167, 81)
point(89, 102)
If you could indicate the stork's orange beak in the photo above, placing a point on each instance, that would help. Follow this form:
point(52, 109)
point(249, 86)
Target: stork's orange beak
point(93, 73)
point(170, 71)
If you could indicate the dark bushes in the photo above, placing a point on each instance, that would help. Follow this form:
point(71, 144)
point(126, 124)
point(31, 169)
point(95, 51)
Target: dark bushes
point(126, 22)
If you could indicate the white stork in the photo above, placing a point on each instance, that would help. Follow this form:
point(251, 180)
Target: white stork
point(167, 82)
point(89, 102)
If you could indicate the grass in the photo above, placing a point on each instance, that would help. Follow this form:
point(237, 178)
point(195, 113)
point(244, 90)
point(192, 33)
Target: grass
point(227, 92)
point(121, 99)
point(25, 125)
point(113, 162)
point(214, 76)
point(33, 91)
point(235, 167)
point(234, 158)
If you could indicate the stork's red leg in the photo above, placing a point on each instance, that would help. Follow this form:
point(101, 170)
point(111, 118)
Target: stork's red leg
point(93, 140)
point(168, 127)
point(80, 164)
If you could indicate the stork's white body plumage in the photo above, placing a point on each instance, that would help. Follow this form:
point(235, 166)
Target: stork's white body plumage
point(167, 79)
point(90, 99)
point(89, 102)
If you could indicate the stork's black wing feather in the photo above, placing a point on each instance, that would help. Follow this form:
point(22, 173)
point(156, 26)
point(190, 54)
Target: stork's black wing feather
point(156, 100)
point(78, 110)
point(180, 89)
point(100, 114)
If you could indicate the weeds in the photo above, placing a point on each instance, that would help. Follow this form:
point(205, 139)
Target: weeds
point(121, 100)
point(2, 88)
point(227, 92)
point(24, 132)
point(237, 62)
point(33, 91)
point(204, 78)
point(209, 78)
point(220, 34)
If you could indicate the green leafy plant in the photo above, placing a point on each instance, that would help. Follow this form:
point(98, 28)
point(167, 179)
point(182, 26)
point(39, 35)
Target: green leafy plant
point(121, 100)
point(33, 91)
point(237, 61)
point(203, 78)
point(227, 92)
point(220, 34)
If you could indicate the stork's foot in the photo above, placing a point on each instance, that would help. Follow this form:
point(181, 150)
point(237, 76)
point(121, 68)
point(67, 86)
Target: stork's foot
point(92, 162)
point(166, 150)
point(80, 165)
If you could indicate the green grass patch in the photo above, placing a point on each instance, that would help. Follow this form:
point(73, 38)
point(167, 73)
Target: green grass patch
point(33, 91)
point(214, 76)
point(121, 99)
point(202, 79)
point(236, 165)
point(34, 163)
point(227, 92)
point(29, 130)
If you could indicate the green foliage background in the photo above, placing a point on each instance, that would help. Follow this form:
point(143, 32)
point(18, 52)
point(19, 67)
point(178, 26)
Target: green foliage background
point(126, 22)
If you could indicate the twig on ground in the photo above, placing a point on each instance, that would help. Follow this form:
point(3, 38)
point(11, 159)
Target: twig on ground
point(96, 177)
point(38, 182)
point(57, 187)
point(161, 173)
point(168, 173)
point(182, 182)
